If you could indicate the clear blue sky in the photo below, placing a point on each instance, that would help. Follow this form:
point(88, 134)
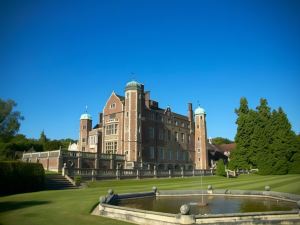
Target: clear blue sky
point(58, 56)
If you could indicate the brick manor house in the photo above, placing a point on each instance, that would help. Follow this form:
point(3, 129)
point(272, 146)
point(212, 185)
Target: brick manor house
point(135, 126)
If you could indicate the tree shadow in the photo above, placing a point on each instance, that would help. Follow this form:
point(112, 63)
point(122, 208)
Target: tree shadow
point(11, 205)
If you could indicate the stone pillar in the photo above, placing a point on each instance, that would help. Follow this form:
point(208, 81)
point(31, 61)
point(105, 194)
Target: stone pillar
point(182, 172)
point(118, 173)
point(65, 170)
point(47, 166)
point(59, 163)
point(93, 175)
point(193, 172)
point(170, 173)
point(154, 171)
point(79, 160)
point(112, 162)
point(137, 174)
point(97, 158)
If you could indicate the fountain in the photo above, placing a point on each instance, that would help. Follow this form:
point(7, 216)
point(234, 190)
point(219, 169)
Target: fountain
point(202, 203)
point(214, 206)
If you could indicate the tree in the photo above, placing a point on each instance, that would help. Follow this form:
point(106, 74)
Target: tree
point(9, 119)
point(52, 145)
point(221, 168)
point(261, 137)
point(265, 139)
point(245, 125)
point(221, 140)
point(43, 139)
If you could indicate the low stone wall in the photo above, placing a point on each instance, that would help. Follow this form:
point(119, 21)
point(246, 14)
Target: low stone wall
point(141, 216)
point(54, 160)
point(157, 218)
point(51, 160)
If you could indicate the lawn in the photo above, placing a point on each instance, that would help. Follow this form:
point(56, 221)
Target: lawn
point(74, 206)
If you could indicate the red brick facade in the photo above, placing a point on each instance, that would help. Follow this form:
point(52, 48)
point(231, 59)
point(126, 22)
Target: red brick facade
point(133, 125)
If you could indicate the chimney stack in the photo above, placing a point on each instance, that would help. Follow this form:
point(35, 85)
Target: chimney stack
point(190, 112)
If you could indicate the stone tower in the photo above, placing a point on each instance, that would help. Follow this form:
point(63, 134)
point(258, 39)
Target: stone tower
point(132, 123)
point(201, 154)
point(84, 129)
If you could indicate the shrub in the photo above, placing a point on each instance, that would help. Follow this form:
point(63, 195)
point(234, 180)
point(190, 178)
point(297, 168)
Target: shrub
point(18, 177)
point(220, 168)
point(77, 180)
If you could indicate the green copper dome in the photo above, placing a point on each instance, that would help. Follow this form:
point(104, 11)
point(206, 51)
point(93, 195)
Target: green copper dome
point(199, 111)
point(86, 116)
point(133, 85)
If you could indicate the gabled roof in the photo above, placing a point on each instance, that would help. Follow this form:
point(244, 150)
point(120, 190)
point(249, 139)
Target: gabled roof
point(122, 98)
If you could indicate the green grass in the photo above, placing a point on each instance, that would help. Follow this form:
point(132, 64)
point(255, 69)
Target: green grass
point(50, 172)
point(74, 206)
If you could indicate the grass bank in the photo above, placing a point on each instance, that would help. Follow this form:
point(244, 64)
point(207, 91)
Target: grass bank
point(74, 206)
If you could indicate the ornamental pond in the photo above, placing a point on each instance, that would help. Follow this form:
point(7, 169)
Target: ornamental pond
point(169, 207)
point(216, 204)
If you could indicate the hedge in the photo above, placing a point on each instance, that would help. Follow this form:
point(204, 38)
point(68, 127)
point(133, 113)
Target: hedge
point(19, 177)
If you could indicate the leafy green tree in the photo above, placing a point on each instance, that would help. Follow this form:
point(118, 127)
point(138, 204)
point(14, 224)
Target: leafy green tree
point(221, 168)
point(52, 145)
point(65, 142)
point(9, 119)
point(221, 140)
point(16, 145)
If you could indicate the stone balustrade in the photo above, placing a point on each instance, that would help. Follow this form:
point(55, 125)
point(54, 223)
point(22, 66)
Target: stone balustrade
point(118, 173)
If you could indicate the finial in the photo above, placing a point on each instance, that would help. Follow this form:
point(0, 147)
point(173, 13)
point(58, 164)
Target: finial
point(198, 103)
point(132, 75)
point(86, 108)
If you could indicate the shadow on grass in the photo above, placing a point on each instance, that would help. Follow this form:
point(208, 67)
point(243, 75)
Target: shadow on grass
point(9, 205)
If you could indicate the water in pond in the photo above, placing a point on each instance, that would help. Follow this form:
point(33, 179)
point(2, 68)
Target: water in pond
point(216, 204)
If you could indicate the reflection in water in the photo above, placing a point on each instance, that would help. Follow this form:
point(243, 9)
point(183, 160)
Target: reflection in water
point(216, 204)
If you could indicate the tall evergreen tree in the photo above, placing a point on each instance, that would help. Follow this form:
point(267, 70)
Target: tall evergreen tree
point(260, 142)
point(294, 163)
point(43, 138)
point(284, 142)
point(240, 157)
point(265, 140)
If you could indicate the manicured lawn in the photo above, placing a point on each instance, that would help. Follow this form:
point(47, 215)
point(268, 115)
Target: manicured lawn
point(74, 206)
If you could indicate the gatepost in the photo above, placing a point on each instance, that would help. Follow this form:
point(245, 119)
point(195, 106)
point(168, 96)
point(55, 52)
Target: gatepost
point(154, 171)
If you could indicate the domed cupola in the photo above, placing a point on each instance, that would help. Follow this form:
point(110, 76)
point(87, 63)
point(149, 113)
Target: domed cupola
point(85, 116)
point(199, 111)
point(133, 85)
